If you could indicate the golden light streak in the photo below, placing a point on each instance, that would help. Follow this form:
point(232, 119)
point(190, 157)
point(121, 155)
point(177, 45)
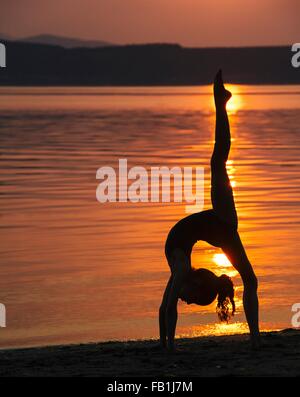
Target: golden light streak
point(221, 260)
point(235, 102)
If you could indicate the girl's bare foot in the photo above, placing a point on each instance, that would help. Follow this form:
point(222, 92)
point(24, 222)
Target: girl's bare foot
point(221, 95)
point(255, 343)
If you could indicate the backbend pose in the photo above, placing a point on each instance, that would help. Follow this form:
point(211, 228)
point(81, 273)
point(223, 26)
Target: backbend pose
point(218, 227)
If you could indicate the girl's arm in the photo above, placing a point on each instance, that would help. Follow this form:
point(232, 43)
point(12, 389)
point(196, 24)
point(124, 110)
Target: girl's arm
point(162, 315)
point(171, 309)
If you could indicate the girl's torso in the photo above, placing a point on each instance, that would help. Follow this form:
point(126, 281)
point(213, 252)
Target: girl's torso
point(204, 226)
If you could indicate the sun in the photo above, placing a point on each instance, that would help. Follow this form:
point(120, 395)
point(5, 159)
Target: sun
point(221, 260)
point(235, 102)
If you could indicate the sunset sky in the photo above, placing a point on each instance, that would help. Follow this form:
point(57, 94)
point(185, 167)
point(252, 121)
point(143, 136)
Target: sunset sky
point(188, 22)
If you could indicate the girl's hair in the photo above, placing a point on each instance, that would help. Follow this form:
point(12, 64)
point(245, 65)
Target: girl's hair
point(225, 298)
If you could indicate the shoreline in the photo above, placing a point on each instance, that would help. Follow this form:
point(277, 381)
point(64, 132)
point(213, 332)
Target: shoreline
point(201, 356)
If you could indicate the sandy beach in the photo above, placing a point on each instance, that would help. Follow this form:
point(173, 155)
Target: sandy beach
point(200, 357)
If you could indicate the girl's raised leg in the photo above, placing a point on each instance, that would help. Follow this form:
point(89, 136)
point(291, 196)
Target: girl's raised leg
point(224, 206)
point(221, 190)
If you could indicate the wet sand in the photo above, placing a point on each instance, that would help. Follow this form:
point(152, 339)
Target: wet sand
point(204, 356)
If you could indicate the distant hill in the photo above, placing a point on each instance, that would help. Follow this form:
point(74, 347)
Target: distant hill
point(5, 37)
point(152, 64)
point(66, 42)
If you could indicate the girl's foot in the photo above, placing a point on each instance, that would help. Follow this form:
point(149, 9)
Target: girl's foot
point(221, 95)
point(255, 342)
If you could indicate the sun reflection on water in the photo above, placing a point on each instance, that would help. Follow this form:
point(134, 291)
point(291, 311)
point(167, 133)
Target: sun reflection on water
point(235, 102)
point(221, 260)
point(223, 265)
point(215, 329)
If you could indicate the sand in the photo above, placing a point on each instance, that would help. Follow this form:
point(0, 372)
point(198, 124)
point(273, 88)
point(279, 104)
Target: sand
point(204, 356)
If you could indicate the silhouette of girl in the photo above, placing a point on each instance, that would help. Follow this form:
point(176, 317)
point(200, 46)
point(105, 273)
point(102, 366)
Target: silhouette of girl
point(218, 227)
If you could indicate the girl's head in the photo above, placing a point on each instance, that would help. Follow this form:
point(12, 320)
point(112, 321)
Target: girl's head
point(202, 287)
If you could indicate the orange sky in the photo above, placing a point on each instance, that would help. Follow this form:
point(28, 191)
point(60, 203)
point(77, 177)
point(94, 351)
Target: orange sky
point(189, 22)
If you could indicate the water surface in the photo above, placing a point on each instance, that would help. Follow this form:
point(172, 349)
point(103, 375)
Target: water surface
point(74, 270)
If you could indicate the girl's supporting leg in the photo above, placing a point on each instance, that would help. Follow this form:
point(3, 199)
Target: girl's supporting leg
point(236, 253)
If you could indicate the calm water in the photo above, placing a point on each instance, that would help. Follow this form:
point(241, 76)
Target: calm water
point(74, 270)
